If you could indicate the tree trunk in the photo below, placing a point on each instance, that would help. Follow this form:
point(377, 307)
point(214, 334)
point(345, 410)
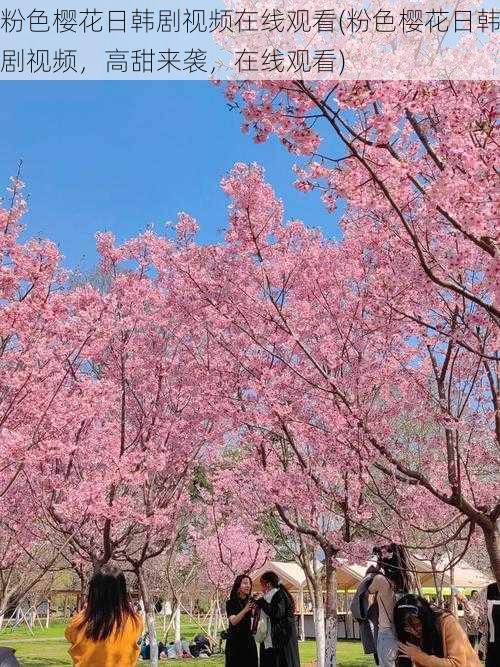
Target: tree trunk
point(492, 540)
point(149, 612)
point(4, 604)
point(177, 623)
point(164, 612)
point(211, 619)
point(330, 612)
point(319, 625)
point(177, 629)
point(454, 606)
point(437, 585)
point(83, 587)
point(218, 618)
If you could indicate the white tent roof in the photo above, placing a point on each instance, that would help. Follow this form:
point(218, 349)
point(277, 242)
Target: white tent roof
point(293, 576)
point(350, 574)
point(422, 568)
point(465, 576)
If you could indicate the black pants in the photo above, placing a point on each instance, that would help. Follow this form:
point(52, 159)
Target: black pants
point(267, 657)
point(473, 640)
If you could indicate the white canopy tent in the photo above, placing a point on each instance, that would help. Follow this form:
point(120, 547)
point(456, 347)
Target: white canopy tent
point(294, 578)
point(461, 574)
point(467, 576)
point(349, 575)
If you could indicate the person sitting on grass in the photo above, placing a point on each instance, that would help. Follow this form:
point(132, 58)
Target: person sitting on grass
point(105, 632)
point(200, 646)
point(8, 658)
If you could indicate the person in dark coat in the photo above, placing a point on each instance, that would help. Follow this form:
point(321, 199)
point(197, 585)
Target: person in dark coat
point(366, 615)
point(488, 610)
point(7, 658)
point(241, 649)
point(281, 647)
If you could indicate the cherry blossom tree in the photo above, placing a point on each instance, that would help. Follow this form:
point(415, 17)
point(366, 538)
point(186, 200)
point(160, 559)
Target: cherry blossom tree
point(348, 388)
point(32, 370)
point(229, 550)
point(131, 423)
point(226, 547)
point(34, 366)
point(270, 483)
point(414, 163)
point(27, 557)
point(281, 293)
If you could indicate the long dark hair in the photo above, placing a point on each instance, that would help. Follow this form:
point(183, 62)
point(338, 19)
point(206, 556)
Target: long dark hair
point(395, 567)
point(417, 607)
point(108, 604)
point(233, 595)
point(272, 578)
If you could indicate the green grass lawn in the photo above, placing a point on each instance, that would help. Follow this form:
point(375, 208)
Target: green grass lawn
point(48, 648)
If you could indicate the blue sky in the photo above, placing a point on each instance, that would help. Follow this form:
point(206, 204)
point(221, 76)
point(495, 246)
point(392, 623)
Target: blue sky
point(119, 156)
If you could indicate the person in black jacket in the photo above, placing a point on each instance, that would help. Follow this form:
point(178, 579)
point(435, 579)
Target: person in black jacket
point(488, 610)
point(7, 658)
point(241, 649)
point(281, 647)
